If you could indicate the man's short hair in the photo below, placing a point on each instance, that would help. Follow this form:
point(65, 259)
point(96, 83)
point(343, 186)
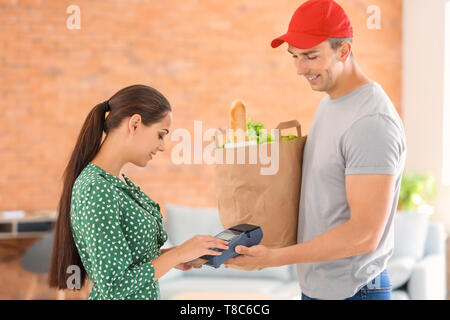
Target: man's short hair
point(335, 43)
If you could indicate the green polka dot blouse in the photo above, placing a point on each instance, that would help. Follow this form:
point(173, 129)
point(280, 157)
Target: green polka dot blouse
point(118, 232)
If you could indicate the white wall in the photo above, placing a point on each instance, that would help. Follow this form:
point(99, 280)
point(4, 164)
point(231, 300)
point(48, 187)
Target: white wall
point(423, 93)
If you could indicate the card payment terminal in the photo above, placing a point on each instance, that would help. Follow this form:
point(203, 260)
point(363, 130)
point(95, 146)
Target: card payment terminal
point(243, 234)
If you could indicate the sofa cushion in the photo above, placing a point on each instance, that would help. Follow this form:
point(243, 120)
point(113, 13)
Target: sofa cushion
point(410, 233)
point(182, 223)
point(436, 236)
point(399, 270)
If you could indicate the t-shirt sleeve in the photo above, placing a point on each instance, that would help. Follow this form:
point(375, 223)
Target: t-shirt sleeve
point(373, 145)
point(100, 227)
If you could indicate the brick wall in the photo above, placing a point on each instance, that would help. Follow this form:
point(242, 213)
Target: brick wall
point(200, 54)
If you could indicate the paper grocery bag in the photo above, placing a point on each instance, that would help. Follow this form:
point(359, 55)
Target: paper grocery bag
point(270, 201)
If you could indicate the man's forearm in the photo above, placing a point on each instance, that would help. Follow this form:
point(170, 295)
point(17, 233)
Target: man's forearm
point(339, 242)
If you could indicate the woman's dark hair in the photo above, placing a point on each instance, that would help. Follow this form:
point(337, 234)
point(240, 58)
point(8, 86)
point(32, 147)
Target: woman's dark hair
point(152, 106)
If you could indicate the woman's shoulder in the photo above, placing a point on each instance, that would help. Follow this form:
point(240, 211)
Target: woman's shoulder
point(89, 180)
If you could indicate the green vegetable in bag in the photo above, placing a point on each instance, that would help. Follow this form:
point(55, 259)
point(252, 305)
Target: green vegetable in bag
point(255, 134)
point(288, 138)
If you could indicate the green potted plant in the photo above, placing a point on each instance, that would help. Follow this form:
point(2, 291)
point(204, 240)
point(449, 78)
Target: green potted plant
point(414, 209)
point(416, 193)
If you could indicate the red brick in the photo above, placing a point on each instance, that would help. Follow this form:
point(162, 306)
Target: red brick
point(201, 55)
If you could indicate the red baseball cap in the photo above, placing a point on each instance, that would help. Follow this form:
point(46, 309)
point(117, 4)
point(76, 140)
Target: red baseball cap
point(314, 22)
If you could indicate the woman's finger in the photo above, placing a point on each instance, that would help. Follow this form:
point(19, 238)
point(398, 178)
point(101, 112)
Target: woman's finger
point(210, 238)
point(221, 246)
point(217, 243)
point(214, 252)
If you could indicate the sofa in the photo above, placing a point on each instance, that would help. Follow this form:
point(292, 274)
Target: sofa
point(416, 272)
point(417, 267)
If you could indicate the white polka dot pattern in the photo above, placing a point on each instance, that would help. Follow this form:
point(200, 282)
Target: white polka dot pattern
point(118, 231)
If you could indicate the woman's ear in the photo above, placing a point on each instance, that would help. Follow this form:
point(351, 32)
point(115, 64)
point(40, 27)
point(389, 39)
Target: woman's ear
point(134, 123)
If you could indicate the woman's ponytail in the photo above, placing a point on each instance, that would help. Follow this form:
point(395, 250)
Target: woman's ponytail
point(64, 252)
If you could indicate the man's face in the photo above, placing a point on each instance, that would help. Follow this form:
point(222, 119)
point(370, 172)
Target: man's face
point(320, 65)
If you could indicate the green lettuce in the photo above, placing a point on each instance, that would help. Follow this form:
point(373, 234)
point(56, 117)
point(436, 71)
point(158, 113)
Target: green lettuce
point(255, 132)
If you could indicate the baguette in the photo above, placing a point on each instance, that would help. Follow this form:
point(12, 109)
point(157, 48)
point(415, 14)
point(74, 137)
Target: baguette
point(238, 122)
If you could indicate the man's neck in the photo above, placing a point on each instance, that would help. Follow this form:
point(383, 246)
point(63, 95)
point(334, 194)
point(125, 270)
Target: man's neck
point(351, 78)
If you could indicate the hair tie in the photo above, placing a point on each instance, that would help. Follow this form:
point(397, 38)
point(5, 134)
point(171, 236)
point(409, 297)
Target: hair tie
point(106, 106)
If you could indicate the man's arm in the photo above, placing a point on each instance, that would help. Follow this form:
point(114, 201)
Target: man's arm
point(370, 199)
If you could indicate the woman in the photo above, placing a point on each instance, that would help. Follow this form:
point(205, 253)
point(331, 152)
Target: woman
point(106, 225)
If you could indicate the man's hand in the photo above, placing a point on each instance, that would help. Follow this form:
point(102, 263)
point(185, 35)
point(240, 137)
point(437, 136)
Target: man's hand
point(255, 256)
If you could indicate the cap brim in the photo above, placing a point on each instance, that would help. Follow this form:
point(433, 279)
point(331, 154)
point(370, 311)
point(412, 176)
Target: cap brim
point(298, 40)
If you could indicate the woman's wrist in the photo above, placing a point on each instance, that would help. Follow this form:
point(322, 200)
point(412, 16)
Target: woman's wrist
point(167, 249)
point(166, 261)
point(174, 254)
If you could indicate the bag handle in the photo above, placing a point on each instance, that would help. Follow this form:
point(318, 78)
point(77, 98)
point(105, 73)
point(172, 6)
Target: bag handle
point(291, 124)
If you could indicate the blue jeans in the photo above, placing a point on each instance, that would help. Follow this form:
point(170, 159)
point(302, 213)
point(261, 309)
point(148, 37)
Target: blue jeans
point(379, 288)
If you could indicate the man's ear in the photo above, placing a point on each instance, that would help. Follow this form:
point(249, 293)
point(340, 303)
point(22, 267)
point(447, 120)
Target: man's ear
point(134, 122)
point(344, 51)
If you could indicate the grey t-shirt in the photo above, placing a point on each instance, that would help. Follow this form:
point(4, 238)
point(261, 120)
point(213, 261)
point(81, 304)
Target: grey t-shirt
point(359, 133)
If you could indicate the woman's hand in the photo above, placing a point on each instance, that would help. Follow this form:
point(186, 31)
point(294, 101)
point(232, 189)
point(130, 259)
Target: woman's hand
point(182, 266)
point(198, 246)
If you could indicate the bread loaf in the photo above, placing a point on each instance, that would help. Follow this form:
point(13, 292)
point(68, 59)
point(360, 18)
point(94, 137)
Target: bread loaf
point(238, 122)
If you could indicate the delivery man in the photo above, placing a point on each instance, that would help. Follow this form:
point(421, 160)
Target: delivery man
point(352, 167)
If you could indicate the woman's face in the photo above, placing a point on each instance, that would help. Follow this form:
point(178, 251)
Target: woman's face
point(146, 141)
